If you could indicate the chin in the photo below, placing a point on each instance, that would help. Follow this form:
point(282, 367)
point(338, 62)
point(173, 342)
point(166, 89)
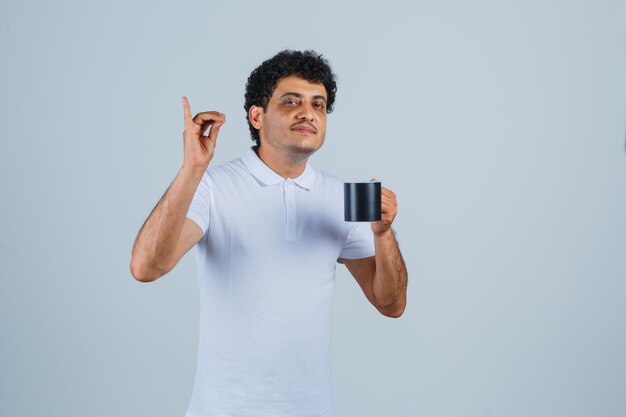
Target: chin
point(302, 149)
point(305, 147)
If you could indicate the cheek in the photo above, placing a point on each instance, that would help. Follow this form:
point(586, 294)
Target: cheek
point(269, 123)
point(322, 126)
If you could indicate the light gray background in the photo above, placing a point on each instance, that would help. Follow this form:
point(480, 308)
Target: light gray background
point(500, 126)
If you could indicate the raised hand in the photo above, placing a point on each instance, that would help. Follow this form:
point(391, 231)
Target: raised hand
point(199, 149)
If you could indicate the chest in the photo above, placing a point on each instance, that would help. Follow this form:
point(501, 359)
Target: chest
point(259, 221)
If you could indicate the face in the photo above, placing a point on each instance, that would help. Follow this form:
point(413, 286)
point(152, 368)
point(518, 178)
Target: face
point(295, 120)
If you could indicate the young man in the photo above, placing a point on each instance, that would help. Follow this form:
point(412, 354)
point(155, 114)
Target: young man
point(269, 231)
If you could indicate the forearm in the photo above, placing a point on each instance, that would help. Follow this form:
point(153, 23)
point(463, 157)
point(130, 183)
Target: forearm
point(390, 277)
point(159, 235)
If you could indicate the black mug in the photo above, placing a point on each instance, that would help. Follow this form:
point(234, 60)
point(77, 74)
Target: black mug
point(361, 201)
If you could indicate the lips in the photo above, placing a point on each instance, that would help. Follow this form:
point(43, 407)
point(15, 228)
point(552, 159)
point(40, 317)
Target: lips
point(304, 129)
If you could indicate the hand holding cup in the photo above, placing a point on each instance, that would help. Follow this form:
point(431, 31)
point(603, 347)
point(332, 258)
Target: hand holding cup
point(388, 209)
point(370, 202)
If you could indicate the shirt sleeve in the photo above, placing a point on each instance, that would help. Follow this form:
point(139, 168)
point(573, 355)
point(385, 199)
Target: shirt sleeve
point(359, 243)
point(201, 205)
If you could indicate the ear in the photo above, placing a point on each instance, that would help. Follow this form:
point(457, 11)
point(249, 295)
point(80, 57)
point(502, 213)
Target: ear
point(255, 115)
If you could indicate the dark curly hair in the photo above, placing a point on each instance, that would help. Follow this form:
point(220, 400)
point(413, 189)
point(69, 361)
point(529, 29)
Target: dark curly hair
point(262, 81)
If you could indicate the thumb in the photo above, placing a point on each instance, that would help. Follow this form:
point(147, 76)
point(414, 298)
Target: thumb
point(214, 131)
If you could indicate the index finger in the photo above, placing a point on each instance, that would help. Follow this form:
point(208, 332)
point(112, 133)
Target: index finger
point(186, 108)
point(387, 192)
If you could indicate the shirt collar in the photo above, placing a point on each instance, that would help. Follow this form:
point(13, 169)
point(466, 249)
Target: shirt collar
point(264, 174)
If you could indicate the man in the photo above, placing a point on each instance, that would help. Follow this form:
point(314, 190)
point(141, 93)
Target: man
point(269, 231)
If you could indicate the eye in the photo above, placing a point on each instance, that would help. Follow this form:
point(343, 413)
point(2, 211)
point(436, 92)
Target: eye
point(291, 102)
point(319, 105)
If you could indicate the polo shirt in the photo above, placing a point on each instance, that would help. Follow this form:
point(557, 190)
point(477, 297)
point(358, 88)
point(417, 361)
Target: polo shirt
point(266, 275)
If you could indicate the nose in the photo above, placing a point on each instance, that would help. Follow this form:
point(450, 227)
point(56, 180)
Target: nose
point(306, 112)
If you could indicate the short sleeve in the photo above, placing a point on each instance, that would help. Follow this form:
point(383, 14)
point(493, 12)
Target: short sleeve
point(201, 205)
point(359, 243)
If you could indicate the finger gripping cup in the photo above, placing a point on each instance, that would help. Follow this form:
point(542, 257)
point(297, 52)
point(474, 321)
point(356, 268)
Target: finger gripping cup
point(361, 201)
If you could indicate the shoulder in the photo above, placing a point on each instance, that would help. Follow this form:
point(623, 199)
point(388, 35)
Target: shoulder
point(229, 172)
point(328, 181)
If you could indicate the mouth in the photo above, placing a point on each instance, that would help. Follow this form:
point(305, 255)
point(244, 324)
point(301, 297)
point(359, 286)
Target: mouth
point(304, 129)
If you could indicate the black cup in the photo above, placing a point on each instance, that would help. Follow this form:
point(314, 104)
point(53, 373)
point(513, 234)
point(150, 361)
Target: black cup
point(361, 201)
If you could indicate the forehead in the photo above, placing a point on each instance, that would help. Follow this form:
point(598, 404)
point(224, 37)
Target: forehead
point(295, 84)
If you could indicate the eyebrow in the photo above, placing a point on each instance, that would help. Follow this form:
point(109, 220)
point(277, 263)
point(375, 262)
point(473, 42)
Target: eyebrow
point(291, 93)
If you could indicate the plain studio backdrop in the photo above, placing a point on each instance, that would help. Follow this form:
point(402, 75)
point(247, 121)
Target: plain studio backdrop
point(500, 125)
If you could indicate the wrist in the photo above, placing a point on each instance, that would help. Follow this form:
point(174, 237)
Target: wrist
point(192, 170)
point(386, 234)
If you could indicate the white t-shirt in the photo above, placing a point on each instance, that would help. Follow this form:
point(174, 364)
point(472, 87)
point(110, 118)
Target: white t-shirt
point(266, 274)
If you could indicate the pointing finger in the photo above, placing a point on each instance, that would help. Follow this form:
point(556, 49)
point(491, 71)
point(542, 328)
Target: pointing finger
point(187, 110)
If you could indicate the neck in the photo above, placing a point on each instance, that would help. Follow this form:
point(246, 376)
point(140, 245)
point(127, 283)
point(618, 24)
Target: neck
point(287, 166)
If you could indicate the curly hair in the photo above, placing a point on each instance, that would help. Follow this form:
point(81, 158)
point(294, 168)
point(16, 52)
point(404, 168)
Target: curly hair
point(262, 81)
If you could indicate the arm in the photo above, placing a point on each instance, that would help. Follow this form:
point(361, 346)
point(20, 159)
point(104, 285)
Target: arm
point(167, 235)
point(383, 277)
point(390, 275)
